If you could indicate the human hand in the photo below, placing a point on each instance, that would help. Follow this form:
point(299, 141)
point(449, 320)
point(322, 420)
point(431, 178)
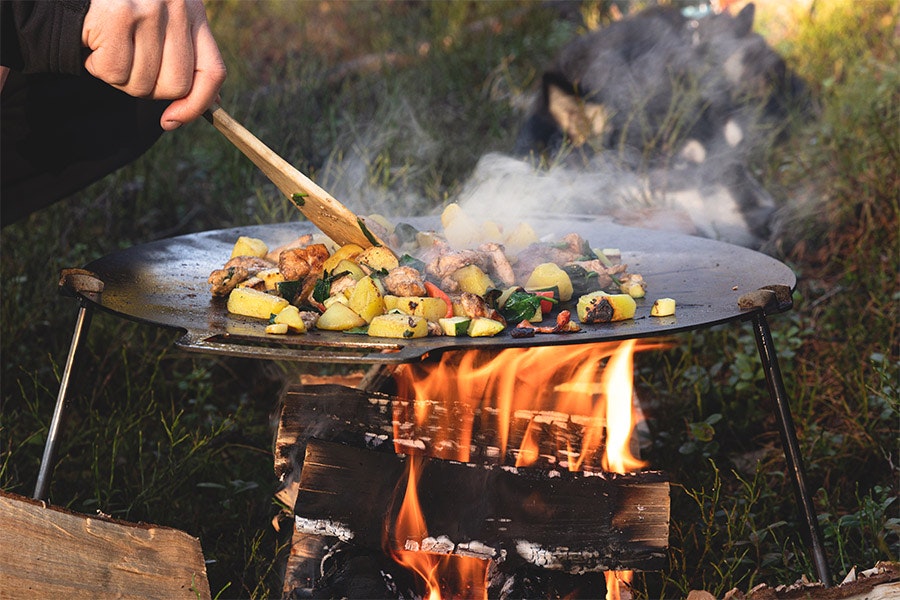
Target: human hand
point(160, 49)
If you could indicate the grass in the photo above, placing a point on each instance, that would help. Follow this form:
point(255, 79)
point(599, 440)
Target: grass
point(154, 434)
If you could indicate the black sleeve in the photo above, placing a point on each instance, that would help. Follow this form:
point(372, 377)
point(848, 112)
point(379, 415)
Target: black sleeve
point(42, 36)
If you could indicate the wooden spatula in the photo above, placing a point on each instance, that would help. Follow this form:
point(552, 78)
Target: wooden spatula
point(333, 218)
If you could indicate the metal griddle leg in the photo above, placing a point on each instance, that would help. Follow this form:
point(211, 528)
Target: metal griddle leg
point(82, 324)
point(791, 446)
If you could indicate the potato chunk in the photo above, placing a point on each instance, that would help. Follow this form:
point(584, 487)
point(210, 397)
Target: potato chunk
point(254, 303)
point(549, 275)
point(248, 246)
point(400, 326)
point(600, 307)
point(339, 317)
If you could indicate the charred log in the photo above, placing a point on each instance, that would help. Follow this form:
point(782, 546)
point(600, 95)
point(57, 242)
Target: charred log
point(554, 520)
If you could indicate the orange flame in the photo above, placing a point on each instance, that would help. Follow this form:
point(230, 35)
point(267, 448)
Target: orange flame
point(459, 576)
point(615, 582)
point(567, 406)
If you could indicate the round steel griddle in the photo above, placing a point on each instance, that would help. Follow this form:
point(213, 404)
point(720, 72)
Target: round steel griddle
point(165, 283)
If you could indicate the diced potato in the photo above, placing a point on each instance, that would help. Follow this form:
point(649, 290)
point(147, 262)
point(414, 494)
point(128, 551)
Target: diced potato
point(484, 327)
point(290, 316)
point(377, 258)
point(339, 317)
point(248, 246)
point(450, 212)
point(277, 328)
point(455, 326)
point(345, 252)
point(462, 234)
point(472, 279)
point(663, 307)
point(490, 232)
point(633, 285)
point(549, 275)
point(395, 325)
point(367, 298)
point(432, 309)
point(336, 298)
point(271, 277)
point(254, 303)
point(520, 238)
point(351, 267)
point(600, 307)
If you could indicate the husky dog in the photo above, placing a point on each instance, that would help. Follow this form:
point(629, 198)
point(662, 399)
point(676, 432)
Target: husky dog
point(657, 114)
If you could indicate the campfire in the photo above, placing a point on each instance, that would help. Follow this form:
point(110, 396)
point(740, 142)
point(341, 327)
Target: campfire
point(482, 474)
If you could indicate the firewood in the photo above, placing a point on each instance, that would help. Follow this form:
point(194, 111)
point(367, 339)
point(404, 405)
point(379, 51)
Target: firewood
point(49, 552)
point(555, 520)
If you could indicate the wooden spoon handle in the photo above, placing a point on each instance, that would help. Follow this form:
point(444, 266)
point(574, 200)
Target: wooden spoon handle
point(333, 218)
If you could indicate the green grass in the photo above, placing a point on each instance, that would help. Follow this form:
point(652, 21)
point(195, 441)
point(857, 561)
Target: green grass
point(158, 435)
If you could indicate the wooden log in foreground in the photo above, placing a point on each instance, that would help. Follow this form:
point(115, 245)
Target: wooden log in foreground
point(48, 552)
point(555, 520)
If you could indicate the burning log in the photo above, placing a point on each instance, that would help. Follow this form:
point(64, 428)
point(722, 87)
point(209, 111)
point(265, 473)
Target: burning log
point(555, 520)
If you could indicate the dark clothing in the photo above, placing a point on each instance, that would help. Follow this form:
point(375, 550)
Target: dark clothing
point(62, 129)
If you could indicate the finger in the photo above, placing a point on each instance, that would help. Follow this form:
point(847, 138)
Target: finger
point(209, 74)
point(149, 37)
point(176, 72)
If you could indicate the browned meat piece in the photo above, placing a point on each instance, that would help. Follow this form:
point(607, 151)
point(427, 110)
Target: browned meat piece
point(303, 240)
point(344, 283)
point(225, 280)
point(445, 264)
point(473, 305)
point(316, 255)
point(603, 272)
point(253, 264)
point(309, 318)
point(405, 281)
point(293, 265)
point(499, 263)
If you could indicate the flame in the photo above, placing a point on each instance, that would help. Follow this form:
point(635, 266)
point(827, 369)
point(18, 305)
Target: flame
point(615, 582)
point(581, 394)
point(461, 576)
point(567, 406)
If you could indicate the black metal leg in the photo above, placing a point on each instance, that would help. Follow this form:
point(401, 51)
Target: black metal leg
point(790, 444)
point(82, 324)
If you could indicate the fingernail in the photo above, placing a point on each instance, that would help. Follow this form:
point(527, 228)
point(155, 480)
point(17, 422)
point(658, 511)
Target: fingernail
point(171, 125)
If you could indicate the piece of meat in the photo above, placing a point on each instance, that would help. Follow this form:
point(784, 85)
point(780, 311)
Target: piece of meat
point(225, 280)
point(405, 281)
point(500, 265)
point(473, 305)
point(452, 261)
point(252, 264)
point(293, 265)
point(300, 242)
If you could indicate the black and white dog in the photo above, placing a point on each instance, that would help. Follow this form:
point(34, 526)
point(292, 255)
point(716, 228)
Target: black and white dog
point(655, 120)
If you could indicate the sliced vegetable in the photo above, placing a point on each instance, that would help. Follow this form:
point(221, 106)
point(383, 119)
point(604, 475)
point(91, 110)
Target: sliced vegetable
point(436, 292)
point(367, 299)
point(663, 307)
point(484, 327)
point(339, 317)
point(548, 299)
point(521, 306)
point(254, 303)
point(455, 326)
point(378, 258)
point(345, 252)
point(249, 246)
point(290, 317)
point(432, 309)
point(600, 307)
point(277, 328)
point(395, 325)
point(550, 275)
point(472, 279)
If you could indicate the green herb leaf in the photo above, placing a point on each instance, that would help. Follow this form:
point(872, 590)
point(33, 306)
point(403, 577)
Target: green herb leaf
point(411, 261)
point(299, 199)
point(367, 233)
point(520, 306)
